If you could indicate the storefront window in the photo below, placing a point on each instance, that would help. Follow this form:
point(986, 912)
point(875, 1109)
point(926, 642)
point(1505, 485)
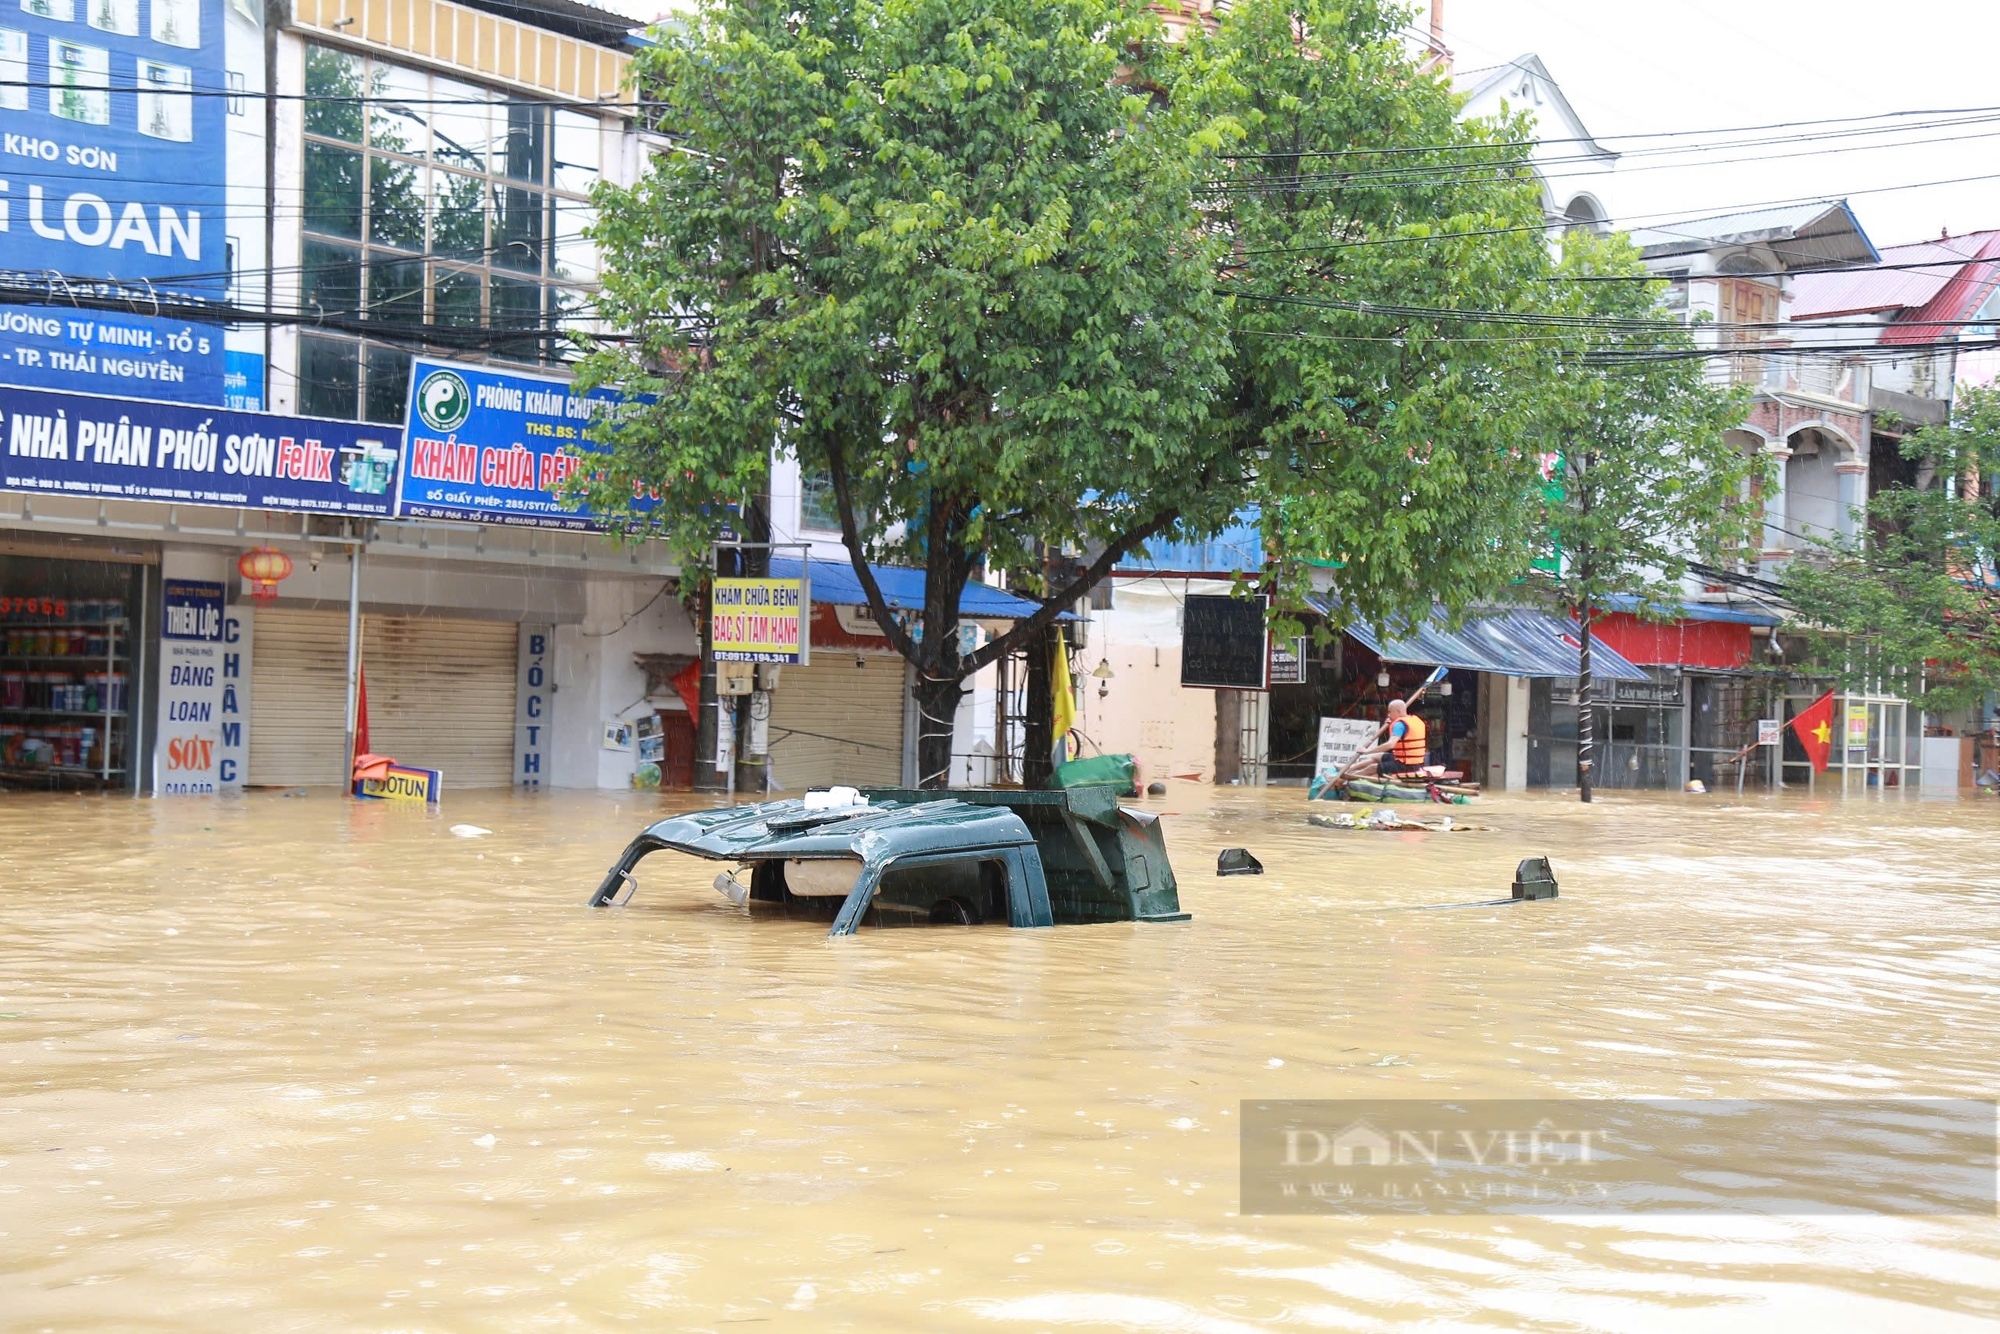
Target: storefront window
point(388, 384)
point(817, 508)
point(329, 376)
point(400, 165)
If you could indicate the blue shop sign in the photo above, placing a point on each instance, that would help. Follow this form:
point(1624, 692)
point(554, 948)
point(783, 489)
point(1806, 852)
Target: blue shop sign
point(192, 610)
point(116, 448)
point(113, 166)
point(493, 446)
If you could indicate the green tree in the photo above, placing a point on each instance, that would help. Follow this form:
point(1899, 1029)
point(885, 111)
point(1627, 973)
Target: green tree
point(1918, 596)
point(1020, 275)
point(1385, 259)
point(1645, 480)
point(945, 256)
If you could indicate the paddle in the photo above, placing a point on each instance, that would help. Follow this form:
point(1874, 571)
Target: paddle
point(1437, 674)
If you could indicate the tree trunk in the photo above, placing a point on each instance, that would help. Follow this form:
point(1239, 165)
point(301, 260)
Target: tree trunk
point(752, 774)
point(1586, 716)
point(937, 706)
point(1228, 736)
point(1039, 734)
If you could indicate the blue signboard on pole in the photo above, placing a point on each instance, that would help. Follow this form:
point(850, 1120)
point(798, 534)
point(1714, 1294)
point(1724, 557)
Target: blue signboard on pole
point(493, 446)
point(113, 166)
point(115, 448)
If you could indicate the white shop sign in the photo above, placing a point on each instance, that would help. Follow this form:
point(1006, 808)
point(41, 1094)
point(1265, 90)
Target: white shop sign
point(1339, 739)
point(239, 625)
point(187, 756)
point(531, 704)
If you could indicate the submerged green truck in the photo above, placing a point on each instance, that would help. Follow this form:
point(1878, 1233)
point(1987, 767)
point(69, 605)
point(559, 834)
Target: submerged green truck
point(896, 856)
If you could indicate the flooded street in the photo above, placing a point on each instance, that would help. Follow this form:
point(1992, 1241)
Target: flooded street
point(308, 1064)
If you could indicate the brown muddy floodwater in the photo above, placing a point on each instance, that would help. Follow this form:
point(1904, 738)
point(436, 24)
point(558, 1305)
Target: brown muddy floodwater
point(303, 1064)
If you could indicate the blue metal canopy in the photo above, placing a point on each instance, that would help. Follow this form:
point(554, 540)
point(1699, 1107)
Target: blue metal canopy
point(835, 582)
point(1510, 641)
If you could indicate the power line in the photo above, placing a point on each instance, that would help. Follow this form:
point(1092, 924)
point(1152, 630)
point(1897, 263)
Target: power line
point(1545, 226)
point(1585, 322)
point(336, 99)
point(1656, 134)
point(126, 298)
point(1681, 275)
point(1466, 170)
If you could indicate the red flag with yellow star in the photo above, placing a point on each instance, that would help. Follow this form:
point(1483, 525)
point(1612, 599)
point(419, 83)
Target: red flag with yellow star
point(1815, 729)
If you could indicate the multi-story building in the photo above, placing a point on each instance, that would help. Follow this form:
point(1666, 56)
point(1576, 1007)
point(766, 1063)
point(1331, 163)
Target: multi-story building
point(255, 220)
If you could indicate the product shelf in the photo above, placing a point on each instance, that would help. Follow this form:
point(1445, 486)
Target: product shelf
point(114, 714)
point(82, 661)
point(5, 625)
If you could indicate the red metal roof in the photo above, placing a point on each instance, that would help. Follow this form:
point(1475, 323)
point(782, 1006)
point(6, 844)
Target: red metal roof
point(1859, 291)
point(1957, 299)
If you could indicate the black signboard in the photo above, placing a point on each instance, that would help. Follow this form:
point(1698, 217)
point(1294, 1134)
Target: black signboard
point(1223, 643)
point(1288, 662)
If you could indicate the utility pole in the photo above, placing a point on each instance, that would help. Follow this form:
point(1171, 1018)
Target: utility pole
point(753, 561)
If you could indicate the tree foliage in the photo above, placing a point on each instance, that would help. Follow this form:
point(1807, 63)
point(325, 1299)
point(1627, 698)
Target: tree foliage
point(1022, 275)
point(1917, 598)
point(1380, 387)
point(1643, 479)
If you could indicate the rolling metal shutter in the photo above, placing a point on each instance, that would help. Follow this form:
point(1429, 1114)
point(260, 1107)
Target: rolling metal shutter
point(440, 695)
point(833, 724)
point(298, 698)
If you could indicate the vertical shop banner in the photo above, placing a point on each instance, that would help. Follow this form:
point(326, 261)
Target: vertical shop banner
point(85, 445)
point(495, 447)
point(233, 755)
point(187, 754)
point(531, 706)
point(112, 166)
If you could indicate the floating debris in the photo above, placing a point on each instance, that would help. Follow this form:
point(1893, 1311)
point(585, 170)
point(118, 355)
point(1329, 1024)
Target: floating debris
point(1237, 861)
point(1390, 821)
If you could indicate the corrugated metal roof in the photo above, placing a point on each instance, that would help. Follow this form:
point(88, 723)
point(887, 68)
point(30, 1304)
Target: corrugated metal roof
point(1956, 300)
point(1512, 641)
point(1239, 547)
point(1812, 235)
point(1819, 295)
point(835, 583)
point(1703, 611)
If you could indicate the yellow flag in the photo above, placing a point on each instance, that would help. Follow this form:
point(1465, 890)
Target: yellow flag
point(1065, 702)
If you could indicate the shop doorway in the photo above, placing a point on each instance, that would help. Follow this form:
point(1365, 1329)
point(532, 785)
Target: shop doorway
point(677, 754)
point(440, 696)
point(72, 667)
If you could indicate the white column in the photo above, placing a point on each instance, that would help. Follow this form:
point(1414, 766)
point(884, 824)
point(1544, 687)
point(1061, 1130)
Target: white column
point(1777, 543)
point(1852, 479)
point(1503, 702)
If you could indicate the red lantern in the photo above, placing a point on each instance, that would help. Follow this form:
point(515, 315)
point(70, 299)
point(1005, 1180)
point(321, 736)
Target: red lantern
point(264, 567)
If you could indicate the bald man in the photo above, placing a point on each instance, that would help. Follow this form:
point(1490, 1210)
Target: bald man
point(1404, 751)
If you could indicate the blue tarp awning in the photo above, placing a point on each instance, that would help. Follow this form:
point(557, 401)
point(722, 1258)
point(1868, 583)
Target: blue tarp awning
point(1510, 642)
point(835, 583)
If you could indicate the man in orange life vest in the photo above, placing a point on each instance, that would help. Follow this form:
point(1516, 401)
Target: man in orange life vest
point(1404, 752)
